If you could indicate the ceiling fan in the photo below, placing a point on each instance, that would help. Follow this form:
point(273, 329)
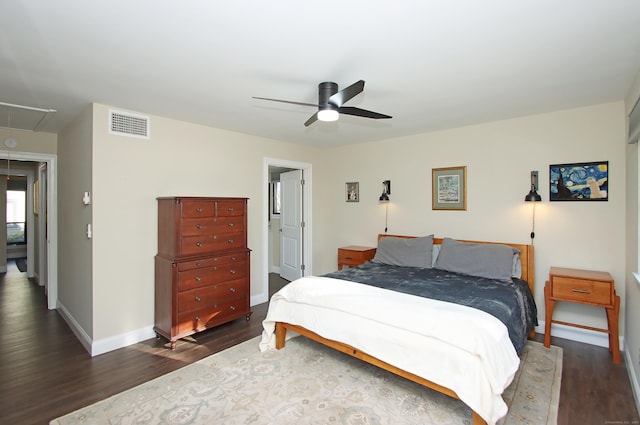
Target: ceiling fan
point(330, 102)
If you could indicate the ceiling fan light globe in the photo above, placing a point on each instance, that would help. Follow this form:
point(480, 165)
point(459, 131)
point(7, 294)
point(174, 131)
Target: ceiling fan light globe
point(328, 115)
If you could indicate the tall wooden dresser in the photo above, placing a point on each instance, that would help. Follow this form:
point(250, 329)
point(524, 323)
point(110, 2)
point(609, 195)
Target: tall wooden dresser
point(202, 267)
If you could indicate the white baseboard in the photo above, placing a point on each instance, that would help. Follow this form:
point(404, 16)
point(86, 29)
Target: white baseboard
point(85, 339)
point(111, 343)
point(633, 379)
point(572, 333)
point(104, 345)
point(274, 269)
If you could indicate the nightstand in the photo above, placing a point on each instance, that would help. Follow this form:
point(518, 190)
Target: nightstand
point(585, 287)
point(354, 255)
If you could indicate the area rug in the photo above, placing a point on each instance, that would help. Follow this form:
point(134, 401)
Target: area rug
point(308, 383)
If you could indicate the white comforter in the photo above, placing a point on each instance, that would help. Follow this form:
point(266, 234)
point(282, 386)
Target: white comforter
point(458, 347)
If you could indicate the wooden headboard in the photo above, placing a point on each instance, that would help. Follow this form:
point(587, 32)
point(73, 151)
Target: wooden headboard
point(526, 255)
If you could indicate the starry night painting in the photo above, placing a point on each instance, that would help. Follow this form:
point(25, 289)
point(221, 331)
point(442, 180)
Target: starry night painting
point(581, 181)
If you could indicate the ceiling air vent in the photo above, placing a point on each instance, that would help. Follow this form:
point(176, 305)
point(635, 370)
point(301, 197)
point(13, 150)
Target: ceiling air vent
point(127, 124)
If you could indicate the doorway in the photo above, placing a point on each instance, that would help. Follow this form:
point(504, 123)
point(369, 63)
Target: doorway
point(47, 200)
point(271, 229)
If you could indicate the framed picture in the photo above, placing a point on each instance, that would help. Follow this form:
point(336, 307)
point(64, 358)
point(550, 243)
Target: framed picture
point(579, 181)
point(352, 192)
point(449, 188)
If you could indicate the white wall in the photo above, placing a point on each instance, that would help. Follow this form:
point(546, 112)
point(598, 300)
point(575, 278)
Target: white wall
point(632, 299)
point(499, 157)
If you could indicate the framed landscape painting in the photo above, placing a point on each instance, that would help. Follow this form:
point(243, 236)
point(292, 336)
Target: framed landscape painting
point(579, 181)
point(449, 188)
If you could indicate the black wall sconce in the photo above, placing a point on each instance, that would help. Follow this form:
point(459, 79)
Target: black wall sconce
point(386, 191)
point(534, 197)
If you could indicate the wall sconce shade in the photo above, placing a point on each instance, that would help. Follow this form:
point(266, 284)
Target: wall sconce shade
point(386, 191)
point(533, 195)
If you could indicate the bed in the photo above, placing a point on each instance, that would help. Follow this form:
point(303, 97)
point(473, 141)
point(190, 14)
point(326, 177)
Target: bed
point(450, 340)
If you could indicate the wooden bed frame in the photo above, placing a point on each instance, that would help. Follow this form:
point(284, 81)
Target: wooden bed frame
point(526, 259)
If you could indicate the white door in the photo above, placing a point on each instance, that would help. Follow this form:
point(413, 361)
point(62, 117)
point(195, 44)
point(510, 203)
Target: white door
point(291, 225)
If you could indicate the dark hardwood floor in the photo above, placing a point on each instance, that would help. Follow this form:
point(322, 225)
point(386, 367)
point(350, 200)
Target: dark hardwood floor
point(45, 372)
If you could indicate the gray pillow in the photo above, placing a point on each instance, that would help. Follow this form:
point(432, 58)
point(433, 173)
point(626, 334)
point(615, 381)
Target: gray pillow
point(408, 252)
point(492, 261)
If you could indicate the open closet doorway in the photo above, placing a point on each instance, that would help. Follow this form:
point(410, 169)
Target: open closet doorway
point(287, 221)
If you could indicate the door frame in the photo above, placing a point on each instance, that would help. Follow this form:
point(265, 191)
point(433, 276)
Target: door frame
point(51, 216)
point(306, 217)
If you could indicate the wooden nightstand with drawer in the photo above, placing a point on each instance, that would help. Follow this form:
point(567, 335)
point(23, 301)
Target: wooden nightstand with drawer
point(354, 255)
point(585, 287)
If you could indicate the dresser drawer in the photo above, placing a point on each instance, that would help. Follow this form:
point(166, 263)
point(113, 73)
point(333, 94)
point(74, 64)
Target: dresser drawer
point(195, 299)
point(198, 320)
point(203, 226)
point(212, 261)
point(230, 208)
point(200, 245)
point(582, 290)
point(197, 208)
point(207, 276)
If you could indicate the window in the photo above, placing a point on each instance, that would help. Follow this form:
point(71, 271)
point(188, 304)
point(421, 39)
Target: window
point(16, 214)
point(276, 198)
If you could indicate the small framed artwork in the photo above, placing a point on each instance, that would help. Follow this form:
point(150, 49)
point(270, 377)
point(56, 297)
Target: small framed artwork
point(449, 188)
point(352, 192)
point(579, 181)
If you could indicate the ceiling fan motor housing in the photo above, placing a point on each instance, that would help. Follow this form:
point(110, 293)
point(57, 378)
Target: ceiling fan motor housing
point(325, 91)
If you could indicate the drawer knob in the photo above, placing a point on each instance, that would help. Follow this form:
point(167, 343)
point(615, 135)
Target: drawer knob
point(197, 318)
point(198, 244)
point(232, 289)
point(232, 271)
point(230, 209)
point(581, 291)
point(198, 226)
point(230, 224)
point(230, 240)
point(197, 298)
point(199, 210)
point(232, 308)
point(198, 278)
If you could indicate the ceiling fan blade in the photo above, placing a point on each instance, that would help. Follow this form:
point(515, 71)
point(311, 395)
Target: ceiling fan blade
point(285, 101)
point(344, 95)
point(348, 110)
point(311, 120)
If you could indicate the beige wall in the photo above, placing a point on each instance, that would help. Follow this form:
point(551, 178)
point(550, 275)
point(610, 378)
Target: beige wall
point(75, 259)
point(179, 159)
point(187, 159)
point(499, 157)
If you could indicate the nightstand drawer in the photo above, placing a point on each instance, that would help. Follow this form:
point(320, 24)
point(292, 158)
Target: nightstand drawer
point(581, 290)
point(354, 255)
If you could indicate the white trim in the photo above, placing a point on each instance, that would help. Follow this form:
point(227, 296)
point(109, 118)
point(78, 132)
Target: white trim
point(586, 336)
point(82, 336)
point(51, 216)
point(119, 341)
point(306, 216)
point(105, 345)
point(633, 378)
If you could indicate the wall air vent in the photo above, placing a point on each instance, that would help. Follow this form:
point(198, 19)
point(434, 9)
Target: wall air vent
point(128, 124)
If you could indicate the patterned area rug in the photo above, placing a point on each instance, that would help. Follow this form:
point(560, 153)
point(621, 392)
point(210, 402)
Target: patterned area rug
point(307, 383)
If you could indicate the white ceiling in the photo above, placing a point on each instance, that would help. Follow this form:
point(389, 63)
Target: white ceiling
point(430, 64)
